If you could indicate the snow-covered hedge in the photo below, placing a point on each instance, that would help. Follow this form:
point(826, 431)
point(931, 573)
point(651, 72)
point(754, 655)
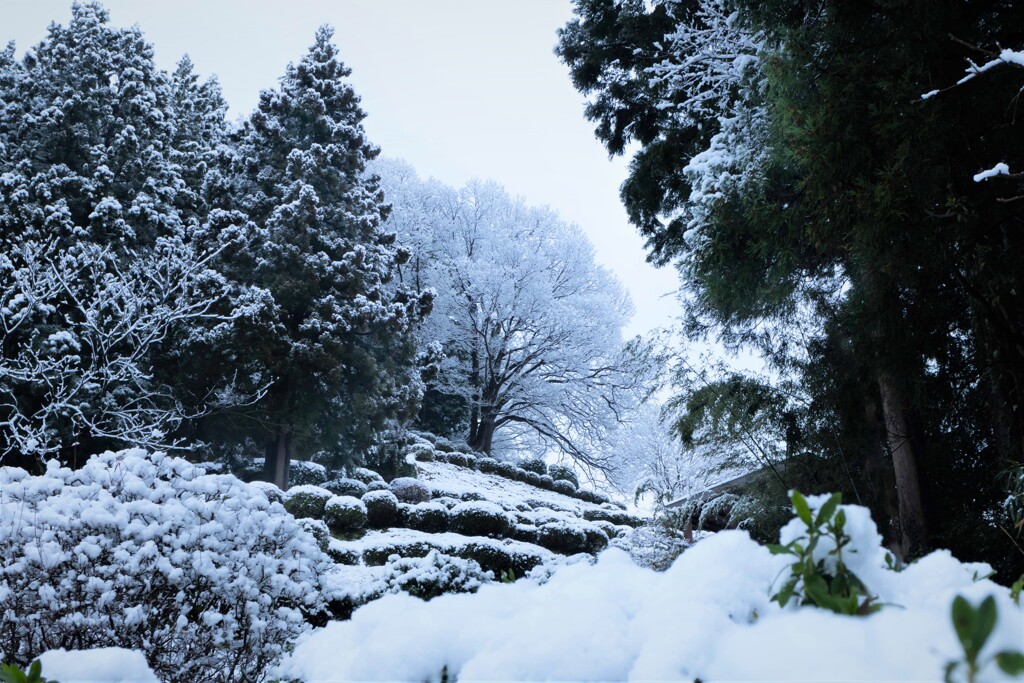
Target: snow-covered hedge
point(346, 487)
point(429, 517)
point(200, 572)
point(434, 575)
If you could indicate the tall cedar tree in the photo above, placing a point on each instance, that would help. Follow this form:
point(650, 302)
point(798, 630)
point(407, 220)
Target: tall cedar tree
point(865, 214)
point(338, 349)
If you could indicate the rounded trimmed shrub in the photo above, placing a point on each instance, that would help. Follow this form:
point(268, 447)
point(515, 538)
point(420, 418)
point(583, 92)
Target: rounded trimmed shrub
point(609, 529)
point(469, 496)
point(379, 555)
point(345, 487)
point(462, 459)
point(564, 486)
point(535, 465)
point(345, 514)
point(377, 486)
point(447, 501)
point(409, 490)
point(306, 473)
point(616, 517)
point(487, 465)
point(563, 538)
point(564, 473)
point(533, 479)
point(507, 470)
point(430, 517)
point(597, 539)
point(381, 509)
point(547, 482)
point(479, 518)
point(306, 501)
point(343, 555)
point(365, 475)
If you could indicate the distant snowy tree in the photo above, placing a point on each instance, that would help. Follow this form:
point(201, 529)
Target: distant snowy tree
point(338, 348)
point(529, 324)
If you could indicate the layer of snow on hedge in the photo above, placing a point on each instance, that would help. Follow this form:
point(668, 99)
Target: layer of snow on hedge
point(451, 480)
point(709, 616)
point(102, 665)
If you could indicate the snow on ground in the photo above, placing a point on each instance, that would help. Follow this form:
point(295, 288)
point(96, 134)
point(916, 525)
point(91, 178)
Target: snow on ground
point(709, 616)
point(451, 480)
point(101, 665)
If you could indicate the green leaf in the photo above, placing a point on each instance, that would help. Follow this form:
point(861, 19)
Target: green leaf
point(1016, 589)
point(1011, 663)
point(828, 509)
point(35, 670)
point(839, 521)
point(963, 620)
point(776, 549)
point(803, 510)
point(950, 668)
point(985, 621)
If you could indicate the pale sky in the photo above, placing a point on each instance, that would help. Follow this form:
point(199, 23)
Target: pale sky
point(458, 88)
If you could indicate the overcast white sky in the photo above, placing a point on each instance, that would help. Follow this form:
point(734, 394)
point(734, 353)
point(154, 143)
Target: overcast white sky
point(458, 88)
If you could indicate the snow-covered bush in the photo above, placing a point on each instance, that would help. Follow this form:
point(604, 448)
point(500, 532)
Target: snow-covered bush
point(533, 479)
point(507, 470)
point(304, 472)
point(201, 572)
point(377, 486)
point(610, 530)
point(564, 473)
point(470, 496)
point(345, 514)
point(434, 575)
point(365, 475)
point(429, 517)
point(527, 533)
point(501, 559)
point(616, 517)
point(421, 452)
point(447, 501)
point(535, 465)
point(547, 482)
point(318, 530)
point(306, 501)
point(409, 490)
point(479, 518)
point(564, 486)
point(273, 494)
point(487, 465)
point(381, 509)
point(562, 537)
point(346, 487)
point(463, 459)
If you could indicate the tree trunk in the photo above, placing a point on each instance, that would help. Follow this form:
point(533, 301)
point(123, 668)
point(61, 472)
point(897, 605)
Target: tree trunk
point(912, 529)
point(879, 477)
point(482, 435)
point(282, 459)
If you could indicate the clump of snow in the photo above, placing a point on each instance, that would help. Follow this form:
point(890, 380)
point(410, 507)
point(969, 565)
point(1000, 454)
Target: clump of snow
point(101, 665)
point(998, 169)
point(709, 616)
point(146, 551)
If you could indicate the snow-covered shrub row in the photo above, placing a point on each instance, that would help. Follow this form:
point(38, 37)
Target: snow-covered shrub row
point(410, 490)
point(564, 473)
point(566, 488)
point(616, 517)
point(200, 572)
point(710, 616)
point(493, 555)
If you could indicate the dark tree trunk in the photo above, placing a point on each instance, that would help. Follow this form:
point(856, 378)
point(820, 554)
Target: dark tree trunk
point(912, 528)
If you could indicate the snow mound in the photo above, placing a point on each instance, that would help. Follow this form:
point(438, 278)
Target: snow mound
point(709, 616)
point(102, 665)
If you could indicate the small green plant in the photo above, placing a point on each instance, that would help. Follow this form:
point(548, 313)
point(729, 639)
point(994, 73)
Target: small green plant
point(973, 626)
point(811, 582)
point(507, 576)
point(9, 673)
point(1016, 588)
